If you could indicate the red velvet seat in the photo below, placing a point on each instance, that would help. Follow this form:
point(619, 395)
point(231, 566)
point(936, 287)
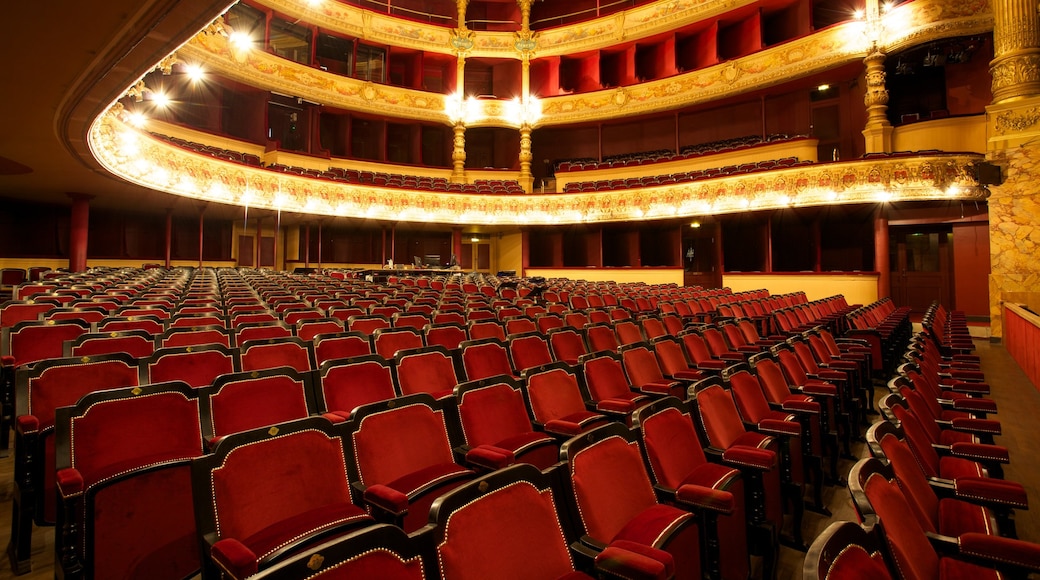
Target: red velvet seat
point(403, 458)
point(697, 350)
point(567, 344)
point(432, 369)
point(308, 329)
point(911, 554)
point(387, 341)
point(609, 387)
point(485, 328)
point(242, 401)
point(42, 389)
point(681, 472)
point(528, 350)
point(288, 351)
point(345, 384)
point(473, 540)
point(136, 343)
point(265, 494)
point(628, 332)
point(367, 323)
point(757, 455)
point(673, 361)
point(644, 372)
point(196, 365)
point(493, 422)
point(124, 483)
point(482, 358)
point(150, 324)
point(614, 501)
point(601, 337)
point(448, 335)
point(337, 345)
point(556, 398)
point(195, 336)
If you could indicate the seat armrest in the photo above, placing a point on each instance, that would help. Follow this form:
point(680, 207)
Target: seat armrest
point(387, 499)
point(753, 457)
point(1000, 550)
point(706, 498)
point(69, 481)
point(490, 457)
point(631, 560)
point(779, 428)
point(234, 558)
point(987, 426)
point(980, 452)
point(974, 405)
point(27, 424)
point(990, 491)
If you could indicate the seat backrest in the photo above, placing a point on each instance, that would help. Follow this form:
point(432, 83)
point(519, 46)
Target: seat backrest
point(641, 365)
point(32, 341)
point(670, 355)
point(135, 343)
point(247, 400)
point(311, 328)
point(601, 337)
point(132, 457)
point(392, 439)
point(605, 376)
point(553, 392)
point(345, 384)
point(387, 341)
point(567, 344)
point(653, 327)
point(904, 537)
point(715, 340)
point(486, 328)
point(748, 395)
point(696, 347)
point(367, 324)
point(288, 351)
point(628, 332)
point(149, 324)
point(529, 350)
point(718, 415)
point(916, 489)
point(339, 345)
point(673, 447)
point(196, 365)
point(191, 336)
point(448, 335)
point(485, 358)
point(431, 369)
point(491, 410)
point(468, 524)
point(60, 382)
point(264, 480)
point(609, 480)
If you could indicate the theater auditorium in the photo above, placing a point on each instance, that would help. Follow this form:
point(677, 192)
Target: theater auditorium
point(522, 289)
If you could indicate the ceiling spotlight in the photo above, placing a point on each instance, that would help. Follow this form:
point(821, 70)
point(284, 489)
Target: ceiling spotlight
point(194, 72)
point(823, 88)
point(160, 99)
point(137, 119)
point(240, 40)
point(858, 14)
point(887, 7)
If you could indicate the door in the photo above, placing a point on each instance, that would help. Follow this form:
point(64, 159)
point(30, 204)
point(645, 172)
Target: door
point(245, 251)
point(701, 256)
point(920, 259)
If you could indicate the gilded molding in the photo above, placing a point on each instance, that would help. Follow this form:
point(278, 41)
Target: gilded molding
point(140, 158)
point(1010, 72)
point(1014, 122)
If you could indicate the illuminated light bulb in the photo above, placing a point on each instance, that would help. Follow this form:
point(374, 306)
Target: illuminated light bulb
point(160, 99)
point(886, 7)
point(858, 14)
point(194, 72)
point(137, 119)
point(240, 40)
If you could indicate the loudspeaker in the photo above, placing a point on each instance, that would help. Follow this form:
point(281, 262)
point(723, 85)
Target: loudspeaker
point(988, 174)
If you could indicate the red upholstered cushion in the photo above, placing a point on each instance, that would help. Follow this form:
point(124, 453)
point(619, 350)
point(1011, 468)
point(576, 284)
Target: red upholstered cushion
point(688, 375)
point(713, 365)
point(62, 386)
point(959, 517)
point(416, 482)
point(7, 360)
point(234, 557)
point(818, 388)
point(989, 489)
point(954, 569)
point(392, 445)
point(706, 497)
point(347, 387)
point(511, 530)
point(198, 369)
point(251, 403)
point(956, 468)
point(636, 561)
point(493, 414)
point(610, 486)
point(750, 456)
point(269, 540)
point(673, 448)
point(979, 451)
point(1001, 549)
point(648, 525)
point(386, 498)
point(430, 372)
point(663, 388)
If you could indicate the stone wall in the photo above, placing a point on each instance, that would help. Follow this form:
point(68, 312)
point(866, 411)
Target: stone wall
point(1014, 222)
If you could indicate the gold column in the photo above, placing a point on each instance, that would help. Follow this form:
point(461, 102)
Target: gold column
point(1013, 131)
point(878, 131)
point(525, 44)
point(461, 44)
point(458, 153)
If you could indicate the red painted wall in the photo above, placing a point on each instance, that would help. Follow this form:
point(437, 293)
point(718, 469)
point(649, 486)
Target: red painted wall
point(1020, 339)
